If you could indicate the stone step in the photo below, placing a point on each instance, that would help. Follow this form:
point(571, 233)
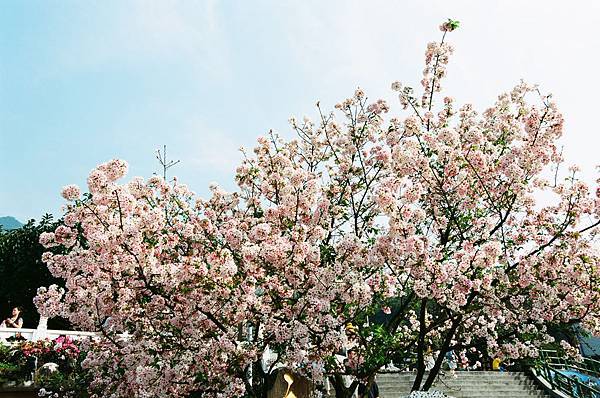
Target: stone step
point(522, 385)
point(477, 395)
point(459, 387)
point(464, 389)
point(464, 385)
point(461, 372)
point(462, 375)
point(456, 388)
point(456, 377)
point(482, 394)
point(460, 381)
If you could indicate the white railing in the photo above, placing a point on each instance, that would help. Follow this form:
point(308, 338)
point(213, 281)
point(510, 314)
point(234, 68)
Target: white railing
point(42, 333)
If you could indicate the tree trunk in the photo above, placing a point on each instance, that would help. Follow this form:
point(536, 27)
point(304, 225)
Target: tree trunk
point(420, 348)
point(440, 358)
point(260, 383)
point(341, 391)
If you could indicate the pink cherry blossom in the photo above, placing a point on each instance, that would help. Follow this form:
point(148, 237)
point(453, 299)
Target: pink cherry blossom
point(71, 192)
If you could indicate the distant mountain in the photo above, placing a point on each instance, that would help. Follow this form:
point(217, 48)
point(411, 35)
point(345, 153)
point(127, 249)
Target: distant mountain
point(9, 222)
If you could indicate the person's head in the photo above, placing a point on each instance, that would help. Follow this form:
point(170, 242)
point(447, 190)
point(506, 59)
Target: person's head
point(16, 311)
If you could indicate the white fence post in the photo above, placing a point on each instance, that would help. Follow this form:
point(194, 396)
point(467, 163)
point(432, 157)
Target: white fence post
point(42, 329)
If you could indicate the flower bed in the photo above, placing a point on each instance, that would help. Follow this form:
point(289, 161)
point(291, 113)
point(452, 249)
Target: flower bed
point(51, 366)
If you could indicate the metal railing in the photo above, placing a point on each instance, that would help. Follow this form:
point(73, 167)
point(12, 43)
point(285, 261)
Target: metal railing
point(42, 333)
point(552, 366)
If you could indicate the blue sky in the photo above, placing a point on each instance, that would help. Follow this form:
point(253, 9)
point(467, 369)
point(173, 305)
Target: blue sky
point(82, 82)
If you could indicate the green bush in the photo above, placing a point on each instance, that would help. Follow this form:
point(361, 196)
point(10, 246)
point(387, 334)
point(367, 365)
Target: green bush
point(23, 271)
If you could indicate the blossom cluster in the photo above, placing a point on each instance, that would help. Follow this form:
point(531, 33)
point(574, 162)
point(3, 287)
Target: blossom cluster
point(48, 300)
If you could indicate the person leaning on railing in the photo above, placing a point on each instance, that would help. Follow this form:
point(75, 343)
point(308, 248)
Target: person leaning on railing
point(14, 321)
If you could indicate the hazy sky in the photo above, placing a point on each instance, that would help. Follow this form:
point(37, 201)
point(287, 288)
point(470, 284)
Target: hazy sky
point(82, 82)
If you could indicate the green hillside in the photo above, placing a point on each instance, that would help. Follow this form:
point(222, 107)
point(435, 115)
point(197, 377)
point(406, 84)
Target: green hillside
point(9, 222)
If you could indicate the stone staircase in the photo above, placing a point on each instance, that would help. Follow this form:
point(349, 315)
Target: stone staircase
point(465, 385)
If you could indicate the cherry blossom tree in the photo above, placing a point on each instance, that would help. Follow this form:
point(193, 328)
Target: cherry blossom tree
point(431, 217)
point(478, 262)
